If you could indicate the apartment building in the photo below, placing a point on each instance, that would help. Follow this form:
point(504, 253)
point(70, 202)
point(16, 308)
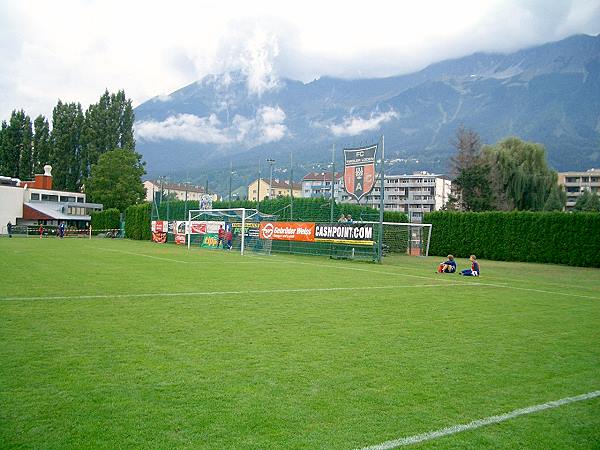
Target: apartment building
point(575, 183)
point(415, 194)
point(318, 184)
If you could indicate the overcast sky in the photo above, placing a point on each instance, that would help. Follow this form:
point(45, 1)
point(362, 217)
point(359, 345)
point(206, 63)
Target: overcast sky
point(74, 49)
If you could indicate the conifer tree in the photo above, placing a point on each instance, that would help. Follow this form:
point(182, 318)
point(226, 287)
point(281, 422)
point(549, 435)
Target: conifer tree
point(41, 144)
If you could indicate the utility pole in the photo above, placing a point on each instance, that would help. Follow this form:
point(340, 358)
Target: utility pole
point(271, 161)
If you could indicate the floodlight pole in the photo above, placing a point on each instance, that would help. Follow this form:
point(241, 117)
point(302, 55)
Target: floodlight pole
point(271, 161)
point(291, 185)
point(258, 188)
point(381, 198)
point(230, 175)
point(331, 218)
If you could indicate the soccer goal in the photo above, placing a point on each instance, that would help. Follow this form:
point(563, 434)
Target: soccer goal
point(405, 238)
point(233, 229)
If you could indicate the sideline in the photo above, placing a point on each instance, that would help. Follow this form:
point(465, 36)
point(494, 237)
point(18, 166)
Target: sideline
point(480, 422)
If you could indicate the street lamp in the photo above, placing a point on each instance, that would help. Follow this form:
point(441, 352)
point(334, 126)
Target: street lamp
point(271, 162)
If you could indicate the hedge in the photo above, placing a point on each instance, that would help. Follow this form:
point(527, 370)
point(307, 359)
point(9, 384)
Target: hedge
point(543, 237)
point(106, 220)
point(137, 222)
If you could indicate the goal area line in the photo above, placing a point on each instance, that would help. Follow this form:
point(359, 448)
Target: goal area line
point(238, 292)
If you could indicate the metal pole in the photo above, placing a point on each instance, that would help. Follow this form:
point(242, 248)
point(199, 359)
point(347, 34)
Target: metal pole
point(258, 189)
point(243, 242)
point(331, 218)
point(291, 185)
point(271, 161)
point(230, 174)
point(381, 198)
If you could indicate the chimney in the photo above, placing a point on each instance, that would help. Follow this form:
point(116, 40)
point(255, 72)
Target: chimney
point(44, 181)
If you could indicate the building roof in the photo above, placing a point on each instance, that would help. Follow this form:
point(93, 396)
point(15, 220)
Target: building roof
point(49, 211)
point(320, 176)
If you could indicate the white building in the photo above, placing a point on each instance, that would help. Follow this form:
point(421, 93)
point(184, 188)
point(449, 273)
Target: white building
point(35, 202)
point(577, 182)
point(318, 184)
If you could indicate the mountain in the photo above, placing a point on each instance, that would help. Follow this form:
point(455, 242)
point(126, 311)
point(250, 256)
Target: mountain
point(548, 94)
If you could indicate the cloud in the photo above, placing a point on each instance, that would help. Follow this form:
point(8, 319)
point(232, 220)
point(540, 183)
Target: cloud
point(353, 125)
point(266, 126)
point(252, 50)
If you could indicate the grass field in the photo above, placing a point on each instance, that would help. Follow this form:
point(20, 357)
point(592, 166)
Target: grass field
point(112, 343)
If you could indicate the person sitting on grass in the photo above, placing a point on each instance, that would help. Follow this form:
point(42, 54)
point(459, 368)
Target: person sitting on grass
point(448, 266)
point(474, 270)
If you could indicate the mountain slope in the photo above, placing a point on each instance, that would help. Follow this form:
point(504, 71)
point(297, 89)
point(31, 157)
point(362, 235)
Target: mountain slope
point(548, 94)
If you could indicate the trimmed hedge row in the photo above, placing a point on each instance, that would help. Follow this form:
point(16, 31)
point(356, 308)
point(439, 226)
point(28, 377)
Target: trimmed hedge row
point(106, 220)
point(543, 237)
point(137, 222)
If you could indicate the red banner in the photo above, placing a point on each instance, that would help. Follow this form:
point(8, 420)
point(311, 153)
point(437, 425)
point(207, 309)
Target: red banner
point(287, 231)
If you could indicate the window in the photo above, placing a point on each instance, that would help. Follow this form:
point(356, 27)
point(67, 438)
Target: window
point(49, 198)
point(80, 200)
point(35, 196)
point(65, 198)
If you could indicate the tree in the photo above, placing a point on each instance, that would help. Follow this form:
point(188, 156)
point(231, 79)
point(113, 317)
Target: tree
point(26, 149)
point(587, 202)
point(67, 121)
point(556, 200)
point(41, 144)
point(471, 172)
point(108, 125)
point(115, 180)
point(520, 176)
point(15, 151)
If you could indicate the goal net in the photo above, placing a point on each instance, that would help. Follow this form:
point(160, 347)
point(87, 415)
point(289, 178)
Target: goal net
point(405, 238)
point(233, 229)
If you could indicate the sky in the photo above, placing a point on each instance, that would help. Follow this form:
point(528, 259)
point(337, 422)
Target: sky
point(73, 50)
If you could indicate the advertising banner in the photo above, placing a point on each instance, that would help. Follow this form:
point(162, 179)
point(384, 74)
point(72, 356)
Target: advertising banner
point(250, 228)
point(341, 233)
point(359, 171)
point(160, 238)
point(160, 226)
point(287, 231)
point(210, 240)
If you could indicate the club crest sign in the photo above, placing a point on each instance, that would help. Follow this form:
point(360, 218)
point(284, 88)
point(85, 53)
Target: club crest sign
point(359, 171)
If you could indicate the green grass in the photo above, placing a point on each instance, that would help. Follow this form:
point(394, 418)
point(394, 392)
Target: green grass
point(94, 353)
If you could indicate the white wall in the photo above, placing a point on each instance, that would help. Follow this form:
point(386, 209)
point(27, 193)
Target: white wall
point(11, 205)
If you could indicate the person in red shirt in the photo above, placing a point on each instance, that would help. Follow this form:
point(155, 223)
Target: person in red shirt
point(474, 270)
point(41, 230)
point(221, 236)
point(229, 238)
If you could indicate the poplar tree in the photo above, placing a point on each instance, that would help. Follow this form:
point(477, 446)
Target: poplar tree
point(67, 121)
point(41, 144)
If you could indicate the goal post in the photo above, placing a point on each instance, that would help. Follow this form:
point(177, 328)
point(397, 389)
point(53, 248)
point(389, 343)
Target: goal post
point(202, 229)
point(405, 238)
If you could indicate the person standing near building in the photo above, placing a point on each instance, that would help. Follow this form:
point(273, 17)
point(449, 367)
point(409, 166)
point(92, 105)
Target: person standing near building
point(9, 229)
point(61, 230)
point(41, 230)
point(221, 237)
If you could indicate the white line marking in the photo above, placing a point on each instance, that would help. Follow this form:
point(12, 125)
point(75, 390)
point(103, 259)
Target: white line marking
point(480, 422)
point(141, 254)
point(258, 291)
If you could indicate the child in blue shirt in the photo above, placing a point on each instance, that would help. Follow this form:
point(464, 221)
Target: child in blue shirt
point(448, 266)
point(474, 270)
